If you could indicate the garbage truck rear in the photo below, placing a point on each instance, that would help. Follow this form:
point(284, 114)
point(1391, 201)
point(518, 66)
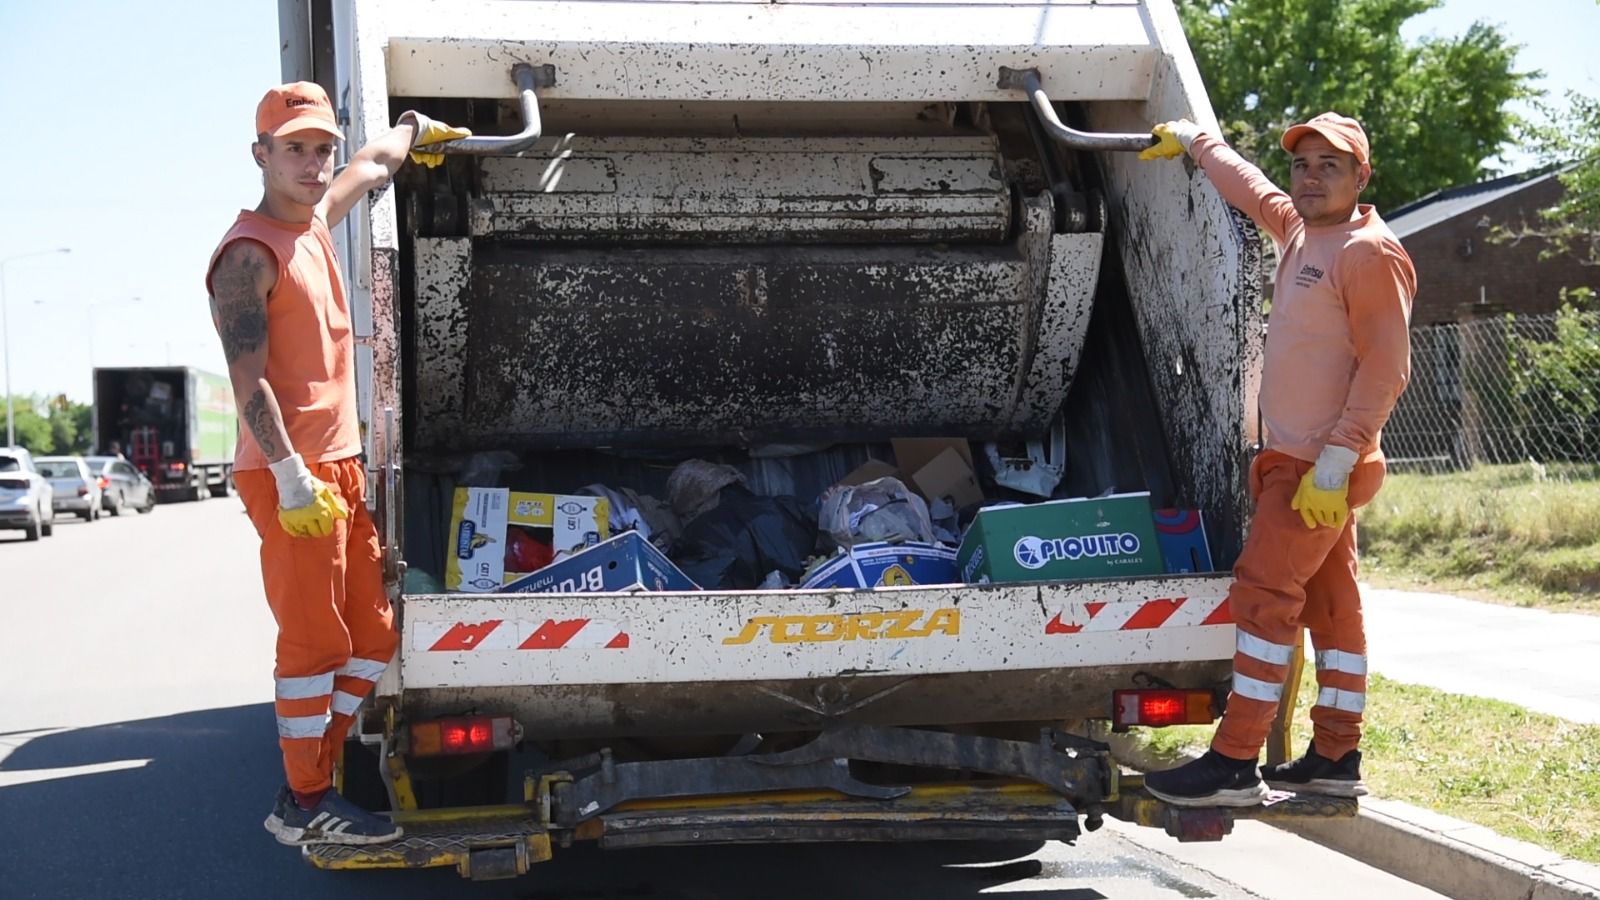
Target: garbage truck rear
point(779, 237)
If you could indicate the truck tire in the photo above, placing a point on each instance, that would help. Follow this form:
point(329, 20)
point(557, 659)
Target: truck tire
point(223, 488)
point(198, 490)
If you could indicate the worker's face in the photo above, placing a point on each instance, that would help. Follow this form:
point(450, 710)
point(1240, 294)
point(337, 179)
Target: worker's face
point(297, 166)
point(1325, 182)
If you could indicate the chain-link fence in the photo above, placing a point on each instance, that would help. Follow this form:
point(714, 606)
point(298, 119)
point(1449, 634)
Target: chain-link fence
point(1512, 389)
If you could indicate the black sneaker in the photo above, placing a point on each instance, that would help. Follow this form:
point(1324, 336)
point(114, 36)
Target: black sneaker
point(1317, 774)
point(334, 820)
point(274, 820)
point(1211, 780)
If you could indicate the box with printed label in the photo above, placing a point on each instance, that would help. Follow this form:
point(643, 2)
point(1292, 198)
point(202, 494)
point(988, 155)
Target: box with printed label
point(626, 562)
point(1062, 540)
point(1182, 534)
point(497, 535)
point(884, 565)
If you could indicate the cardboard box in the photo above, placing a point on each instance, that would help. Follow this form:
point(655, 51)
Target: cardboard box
point(1062, 540)
point(1182, 536)
point(939, 467)
point(883, 565)
point(498, 536)
point(626, 562)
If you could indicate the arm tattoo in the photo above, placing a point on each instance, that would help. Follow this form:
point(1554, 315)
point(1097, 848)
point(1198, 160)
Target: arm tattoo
point(263, 424)
point(241, 313)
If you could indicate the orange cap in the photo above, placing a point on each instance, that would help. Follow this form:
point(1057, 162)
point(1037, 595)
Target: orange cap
point(1341, 131)
point(299, 106)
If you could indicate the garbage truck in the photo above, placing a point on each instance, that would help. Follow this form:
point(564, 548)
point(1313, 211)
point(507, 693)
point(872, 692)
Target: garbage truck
point(714, 229)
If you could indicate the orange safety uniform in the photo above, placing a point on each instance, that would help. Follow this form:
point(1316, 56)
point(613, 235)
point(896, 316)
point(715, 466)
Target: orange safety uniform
point(1337, 358)
point(335, 626)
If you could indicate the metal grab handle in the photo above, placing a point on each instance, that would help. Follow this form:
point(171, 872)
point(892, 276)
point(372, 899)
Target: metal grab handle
point(1028, 80)
point(527, 78)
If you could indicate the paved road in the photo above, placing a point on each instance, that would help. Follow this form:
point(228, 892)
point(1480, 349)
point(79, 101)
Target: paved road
point(1536, 659)
point(137, 759)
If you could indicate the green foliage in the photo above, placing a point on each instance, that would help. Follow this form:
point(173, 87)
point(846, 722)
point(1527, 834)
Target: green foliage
point(1527, 534)
point(1560, 375)
point(55, 427)
point(1434, 111)
point(1573, 138)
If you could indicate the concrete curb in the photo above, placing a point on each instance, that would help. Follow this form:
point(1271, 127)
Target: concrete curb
point(1455, 858)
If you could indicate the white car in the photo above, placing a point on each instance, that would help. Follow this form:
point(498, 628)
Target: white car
point(27, 502)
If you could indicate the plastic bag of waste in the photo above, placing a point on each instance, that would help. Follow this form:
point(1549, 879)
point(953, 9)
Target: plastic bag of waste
point(883, 509)
point(743, 538)
point(693, 487)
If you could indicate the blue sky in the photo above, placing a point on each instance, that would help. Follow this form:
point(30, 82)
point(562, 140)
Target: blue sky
point(128, 141)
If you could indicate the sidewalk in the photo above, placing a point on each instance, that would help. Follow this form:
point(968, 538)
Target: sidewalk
point(1539, 660)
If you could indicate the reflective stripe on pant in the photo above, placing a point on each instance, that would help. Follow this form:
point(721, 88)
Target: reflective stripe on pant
point(335, 626)
point(1289, 575)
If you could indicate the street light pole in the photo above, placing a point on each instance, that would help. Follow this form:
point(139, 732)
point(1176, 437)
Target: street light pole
point(5, 325)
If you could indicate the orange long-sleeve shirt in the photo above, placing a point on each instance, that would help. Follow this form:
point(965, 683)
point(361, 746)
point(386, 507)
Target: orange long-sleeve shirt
point(1338, 350)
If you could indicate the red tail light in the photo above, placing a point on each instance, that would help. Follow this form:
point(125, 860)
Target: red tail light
point(1158, 708)
point(103, 482)
point(83, 492)
point(466, 734)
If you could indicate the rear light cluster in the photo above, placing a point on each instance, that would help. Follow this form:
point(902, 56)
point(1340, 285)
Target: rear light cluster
point(103, 482)
point(1157, 708)
point(463, 734)
point(83, 492)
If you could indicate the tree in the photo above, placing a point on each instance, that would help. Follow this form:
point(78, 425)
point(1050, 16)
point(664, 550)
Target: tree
point(1572, 140)
point(59, 426)
point(33, 430)
point(1435, 112)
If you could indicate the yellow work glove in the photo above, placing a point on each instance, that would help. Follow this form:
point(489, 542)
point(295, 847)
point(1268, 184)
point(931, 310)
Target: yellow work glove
point(1174, 140)
point(1323, 495)
point(431, 131)
point(307, 507)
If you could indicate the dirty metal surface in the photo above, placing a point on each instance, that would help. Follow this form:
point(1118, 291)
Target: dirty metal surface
point(750, 190)
point(531, 348)
point(967, 813)
point(704, 51)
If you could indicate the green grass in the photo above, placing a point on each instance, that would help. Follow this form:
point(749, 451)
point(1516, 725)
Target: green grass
point(1522, 774)
point(1514, 534)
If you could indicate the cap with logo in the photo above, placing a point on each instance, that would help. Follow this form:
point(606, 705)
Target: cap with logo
point(298, 106)
point(1342, 132)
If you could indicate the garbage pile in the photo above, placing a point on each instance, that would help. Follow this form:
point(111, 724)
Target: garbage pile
point(924, 519)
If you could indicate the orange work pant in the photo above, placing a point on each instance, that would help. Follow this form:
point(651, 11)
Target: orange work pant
point(335, 627)
point(1289, 576)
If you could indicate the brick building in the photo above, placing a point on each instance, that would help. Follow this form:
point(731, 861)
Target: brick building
point(1451, 236)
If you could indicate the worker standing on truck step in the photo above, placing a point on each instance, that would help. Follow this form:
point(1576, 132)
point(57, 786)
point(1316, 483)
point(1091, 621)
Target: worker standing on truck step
point(278, 303)
point(1337, 358)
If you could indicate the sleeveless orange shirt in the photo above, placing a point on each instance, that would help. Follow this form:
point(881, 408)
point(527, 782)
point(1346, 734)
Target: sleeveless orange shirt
point(310, 345)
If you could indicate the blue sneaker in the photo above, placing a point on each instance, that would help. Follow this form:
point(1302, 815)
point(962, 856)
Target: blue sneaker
point(334, 820)
point(1211, 780)
point(274, 822)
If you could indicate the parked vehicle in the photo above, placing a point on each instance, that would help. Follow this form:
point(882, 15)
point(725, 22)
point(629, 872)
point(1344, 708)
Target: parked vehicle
point(122, 486)
point(175, 424)
point(26, 499)
point(77, 488)
point(769, 235)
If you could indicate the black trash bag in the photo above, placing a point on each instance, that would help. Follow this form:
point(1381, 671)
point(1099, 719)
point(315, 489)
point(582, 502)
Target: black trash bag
point(744, 538)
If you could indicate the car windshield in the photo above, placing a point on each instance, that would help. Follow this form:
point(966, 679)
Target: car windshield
point(9, 464)
point(59, 469)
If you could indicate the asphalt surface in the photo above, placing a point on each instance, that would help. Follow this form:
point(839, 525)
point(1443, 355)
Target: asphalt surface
point(138, 758)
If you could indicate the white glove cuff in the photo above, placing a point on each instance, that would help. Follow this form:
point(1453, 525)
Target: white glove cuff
point(419, 125)
point(1333, 467)
point(1185, 132)
point(296, 487)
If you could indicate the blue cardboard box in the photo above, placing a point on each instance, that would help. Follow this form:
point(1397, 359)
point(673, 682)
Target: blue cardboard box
point(626, 562)
point(1182, 536)
point(883, 565)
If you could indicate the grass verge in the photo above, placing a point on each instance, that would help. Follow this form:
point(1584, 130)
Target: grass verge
point(1522, 774)
point(1519, 534)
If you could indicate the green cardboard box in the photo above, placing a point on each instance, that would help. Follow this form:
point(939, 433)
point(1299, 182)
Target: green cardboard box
point(1062, 540)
